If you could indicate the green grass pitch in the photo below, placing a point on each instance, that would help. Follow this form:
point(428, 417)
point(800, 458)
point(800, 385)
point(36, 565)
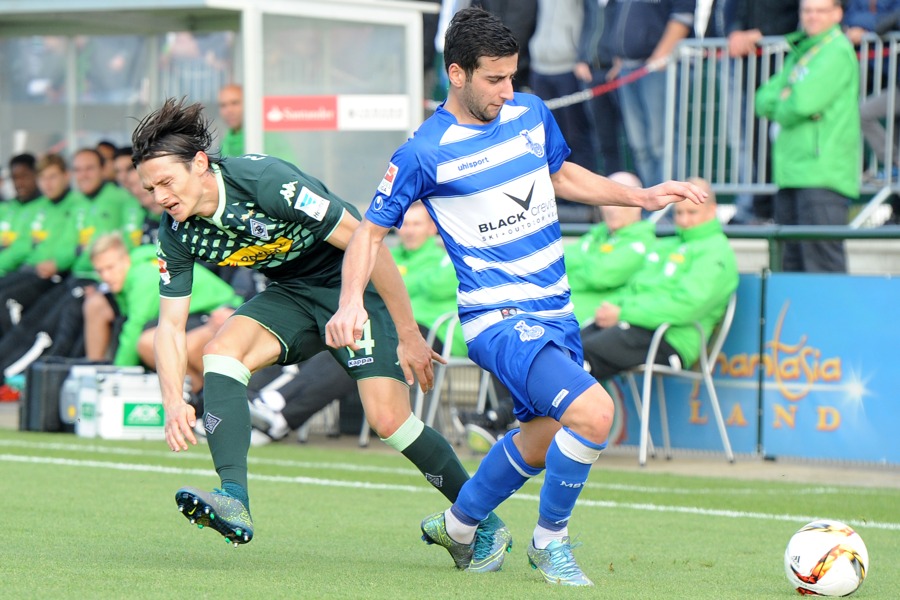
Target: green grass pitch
point(97, 519)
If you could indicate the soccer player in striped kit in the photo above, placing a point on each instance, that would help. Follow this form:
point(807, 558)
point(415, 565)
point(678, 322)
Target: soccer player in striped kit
point(489, 165)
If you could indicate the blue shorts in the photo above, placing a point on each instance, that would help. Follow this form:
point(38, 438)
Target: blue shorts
point(539, 360)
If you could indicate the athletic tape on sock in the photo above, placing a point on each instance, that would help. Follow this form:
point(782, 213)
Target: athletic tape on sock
point(406, 434)
point(226, 366)
point(578, 448)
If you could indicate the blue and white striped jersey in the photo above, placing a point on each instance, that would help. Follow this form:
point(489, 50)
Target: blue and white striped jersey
point(488, 189)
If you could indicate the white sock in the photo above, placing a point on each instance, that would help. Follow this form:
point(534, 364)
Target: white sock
point(543, 536)
point(457, 530)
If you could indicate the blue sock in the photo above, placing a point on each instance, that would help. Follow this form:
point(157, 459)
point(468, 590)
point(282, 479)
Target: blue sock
point(569, 460)
point(501, 473)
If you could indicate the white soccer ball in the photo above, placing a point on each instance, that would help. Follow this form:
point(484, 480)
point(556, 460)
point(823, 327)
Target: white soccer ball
point(826, 558)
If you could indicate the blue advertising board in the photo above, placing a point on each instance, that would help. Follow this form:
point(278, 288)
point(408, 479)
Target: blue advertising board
point(818, 380)
point(830, 360)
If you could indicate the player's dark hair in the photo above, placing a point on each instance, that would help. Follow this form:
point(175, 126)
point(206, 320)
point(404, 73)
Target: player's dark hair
point(173, 130)
point(473, 33)
point(27, 160)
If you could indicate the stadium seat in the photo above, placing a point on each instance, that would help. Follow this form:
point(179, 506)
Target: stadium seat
point(443, 386)
point(701, 372)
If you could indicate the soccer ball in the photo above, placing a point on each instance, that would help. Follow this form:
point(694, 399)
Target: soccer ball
point(826, 558)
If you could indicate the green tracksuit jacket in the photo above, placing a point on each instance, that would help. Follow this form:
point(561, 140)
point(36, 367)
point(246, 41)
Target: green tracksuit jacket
point(818, 142)
point(139, 299)
point(431, 281)
point(687, 278)
point(15, 232)
point(104, 213)
point(601, 262)
point(51, 234)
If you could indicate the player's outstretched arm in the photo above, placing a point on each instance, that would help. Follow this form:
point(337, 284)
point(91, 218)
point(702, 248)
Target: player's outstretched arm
point(366, 256)
point(171, 362)
point(576, 183)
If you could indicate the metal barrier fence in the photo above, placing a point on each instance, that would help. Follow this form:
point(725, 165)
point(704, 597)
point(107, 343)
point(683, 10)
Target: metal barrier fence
point(711, 129)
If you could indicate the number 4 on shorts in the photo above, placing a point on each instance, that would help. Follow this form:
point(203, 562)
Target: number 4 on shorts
point(366, 342)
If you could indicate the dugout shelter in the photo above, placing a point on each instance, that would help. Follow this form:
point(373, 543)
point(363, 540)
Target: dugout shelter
point(340, 82)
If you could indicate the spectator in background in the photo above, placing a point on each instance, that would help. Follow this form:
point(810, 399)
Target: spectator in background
point(606, 257)
point(146, 232)
point(108, 151)
point(747, 22)
point(689, 277)
point(34, 264)
point(17, 213)
point(607, 113)
point(521, 18)
point(814, 103)
point(865, 16)
point(231, 111)
point(874, 109)
point(560, 65)
point(644, 35)
point(55, 319)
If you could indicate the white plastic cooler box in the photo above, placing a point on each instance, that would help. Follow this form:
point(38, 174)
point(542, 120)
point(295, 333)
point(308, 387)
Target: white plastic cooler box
point(121, 404)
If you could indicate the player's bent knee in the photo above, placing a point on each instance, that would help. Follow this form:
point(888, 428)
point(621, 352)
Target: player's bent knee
point(591, 415)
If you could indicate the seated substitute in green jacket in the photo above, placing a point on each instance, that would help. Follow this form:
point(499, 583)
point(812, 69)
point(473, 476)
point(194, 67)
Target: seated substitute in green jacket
point(133, 278)
point(689, 277)
point(607, 256)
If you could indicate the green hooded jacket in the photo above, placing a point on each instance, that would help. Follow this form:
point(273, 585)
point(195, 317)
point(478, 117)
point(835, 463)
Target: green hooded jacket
point(689, 277)
point(601, 262)
point(818, 142)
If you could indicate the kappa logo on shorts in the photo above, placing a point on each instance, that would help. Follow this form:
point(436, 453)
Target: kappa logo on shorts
point(528, 333)
point(210, 422)
point(358, 362)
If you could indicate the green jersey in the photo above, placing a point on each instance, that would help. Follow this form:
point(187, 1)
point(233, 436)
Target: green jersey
point(600, 262)
point(271, 217)
point(16, 241)
point(104, 213)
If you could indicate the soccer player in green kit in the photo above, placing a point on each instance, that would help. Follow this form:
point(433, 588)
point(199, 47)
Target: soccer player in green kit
point(264, 213)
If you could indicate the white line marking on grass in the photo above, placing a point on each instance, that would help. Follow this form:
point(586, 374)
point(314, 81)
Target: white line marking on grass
point(358, 468)
point(639, 506)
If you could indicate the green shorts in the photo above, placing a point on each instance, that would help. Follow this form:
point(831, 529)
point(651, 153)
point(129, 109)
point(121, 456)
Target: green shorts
point(296, 313)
